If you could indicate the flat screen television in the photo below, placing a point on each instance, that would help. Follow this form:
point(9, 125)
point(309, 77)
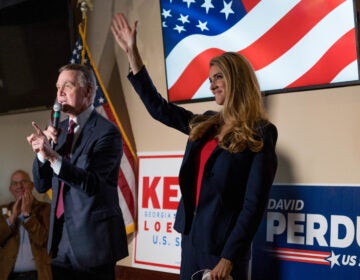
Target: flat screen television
point(36, 38)
point(293, 45)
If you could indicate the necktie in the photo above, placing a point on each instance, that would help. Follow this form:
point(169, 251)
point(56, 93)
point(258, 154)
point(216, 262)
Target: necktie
point(66, 155)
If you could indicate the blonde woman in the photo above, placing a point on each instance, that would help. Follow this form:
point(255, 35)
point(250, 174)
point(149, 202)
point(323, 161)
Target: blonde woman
point(228, 166)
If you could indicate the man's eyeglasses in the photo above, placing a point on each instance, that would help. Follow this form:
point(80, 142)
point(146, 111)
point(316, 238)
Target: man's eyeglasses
point(17, 183)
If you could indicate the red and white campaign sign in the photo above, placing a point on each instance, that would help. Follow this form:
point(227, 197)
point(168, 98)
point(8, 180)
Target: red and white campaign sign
point(157, 246)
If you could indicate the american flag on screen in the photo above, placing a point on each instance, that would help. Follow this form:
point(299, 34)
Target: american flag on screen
point(291, 44)
point(126, 182)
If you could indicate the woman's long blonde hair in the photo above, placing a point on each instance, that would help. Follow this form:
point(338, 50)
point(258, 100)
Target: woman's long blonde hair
point(243, 107)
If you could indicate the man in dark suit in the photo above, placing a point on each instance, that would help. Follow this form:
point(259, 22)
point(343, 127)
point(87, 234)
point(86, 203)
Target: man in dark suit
point(87, 232)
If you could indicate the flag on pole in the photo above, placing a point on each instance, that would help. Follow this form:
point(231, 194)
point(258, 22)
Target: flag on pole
point(126, 181)
point(291, 44)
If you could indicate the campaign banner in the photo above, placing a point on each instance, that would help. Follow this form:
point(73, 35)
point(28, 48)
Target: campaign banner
point(157, 246)
point(309, 232)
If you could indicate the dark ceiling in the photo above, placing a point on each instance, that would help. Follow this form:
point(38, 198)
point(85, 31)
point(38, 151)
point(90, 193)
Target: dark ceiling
point(37, 37)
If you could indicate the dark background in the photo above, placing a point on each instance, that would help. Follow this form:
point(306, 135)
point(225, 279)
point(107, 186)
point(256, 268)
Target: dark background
point(36, 38)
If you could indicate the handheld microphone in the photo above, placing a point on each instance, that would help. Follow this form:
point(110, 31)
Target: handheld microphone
point(56, 118)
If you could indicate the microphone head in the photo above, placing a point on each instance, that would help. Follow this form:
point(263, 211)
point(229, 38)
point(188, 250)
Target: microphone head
point(57, 107)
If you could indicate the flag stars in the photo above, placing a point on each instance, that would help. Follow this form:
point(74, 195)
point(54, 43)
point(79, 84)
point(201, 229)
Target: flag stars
point(75, 58)
point(179, 28)
point(101, 100)
point(184, 19)
point(227, 9)
point(207, 5)
point(189, 2)
point(202, 25)
point(166, 13)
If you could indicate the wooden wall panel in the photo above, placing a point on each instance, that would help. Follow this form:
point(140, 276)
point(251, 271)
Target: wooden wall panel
point(131, 273)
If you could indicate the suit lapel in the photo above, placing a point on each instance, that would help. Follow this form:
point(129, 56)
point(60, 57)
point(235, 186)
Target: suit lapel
point(84, 136)
point(62, 137)
point(195, 146)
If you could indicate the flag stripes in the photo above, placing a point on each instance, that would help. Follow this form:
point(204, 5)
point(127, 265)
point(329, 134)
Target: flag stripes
point(291, 44)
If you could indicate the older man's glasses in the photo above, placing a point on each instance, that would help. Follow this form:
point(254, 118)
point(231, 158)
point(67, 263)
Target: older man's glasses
point(18, 183)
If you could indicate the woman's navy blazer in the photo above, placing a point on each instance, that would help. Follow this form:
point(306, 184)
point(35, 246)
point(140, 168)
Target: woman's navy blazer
point(235, 186)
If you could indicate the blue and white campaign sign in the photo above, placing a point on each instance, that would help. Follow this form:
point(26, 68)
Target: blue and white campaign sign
point(309, 232)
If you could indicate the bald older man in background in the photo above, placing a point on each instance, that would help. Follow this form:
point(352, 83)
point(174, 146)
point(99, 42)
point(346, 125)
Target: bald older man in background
point(24, 229)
